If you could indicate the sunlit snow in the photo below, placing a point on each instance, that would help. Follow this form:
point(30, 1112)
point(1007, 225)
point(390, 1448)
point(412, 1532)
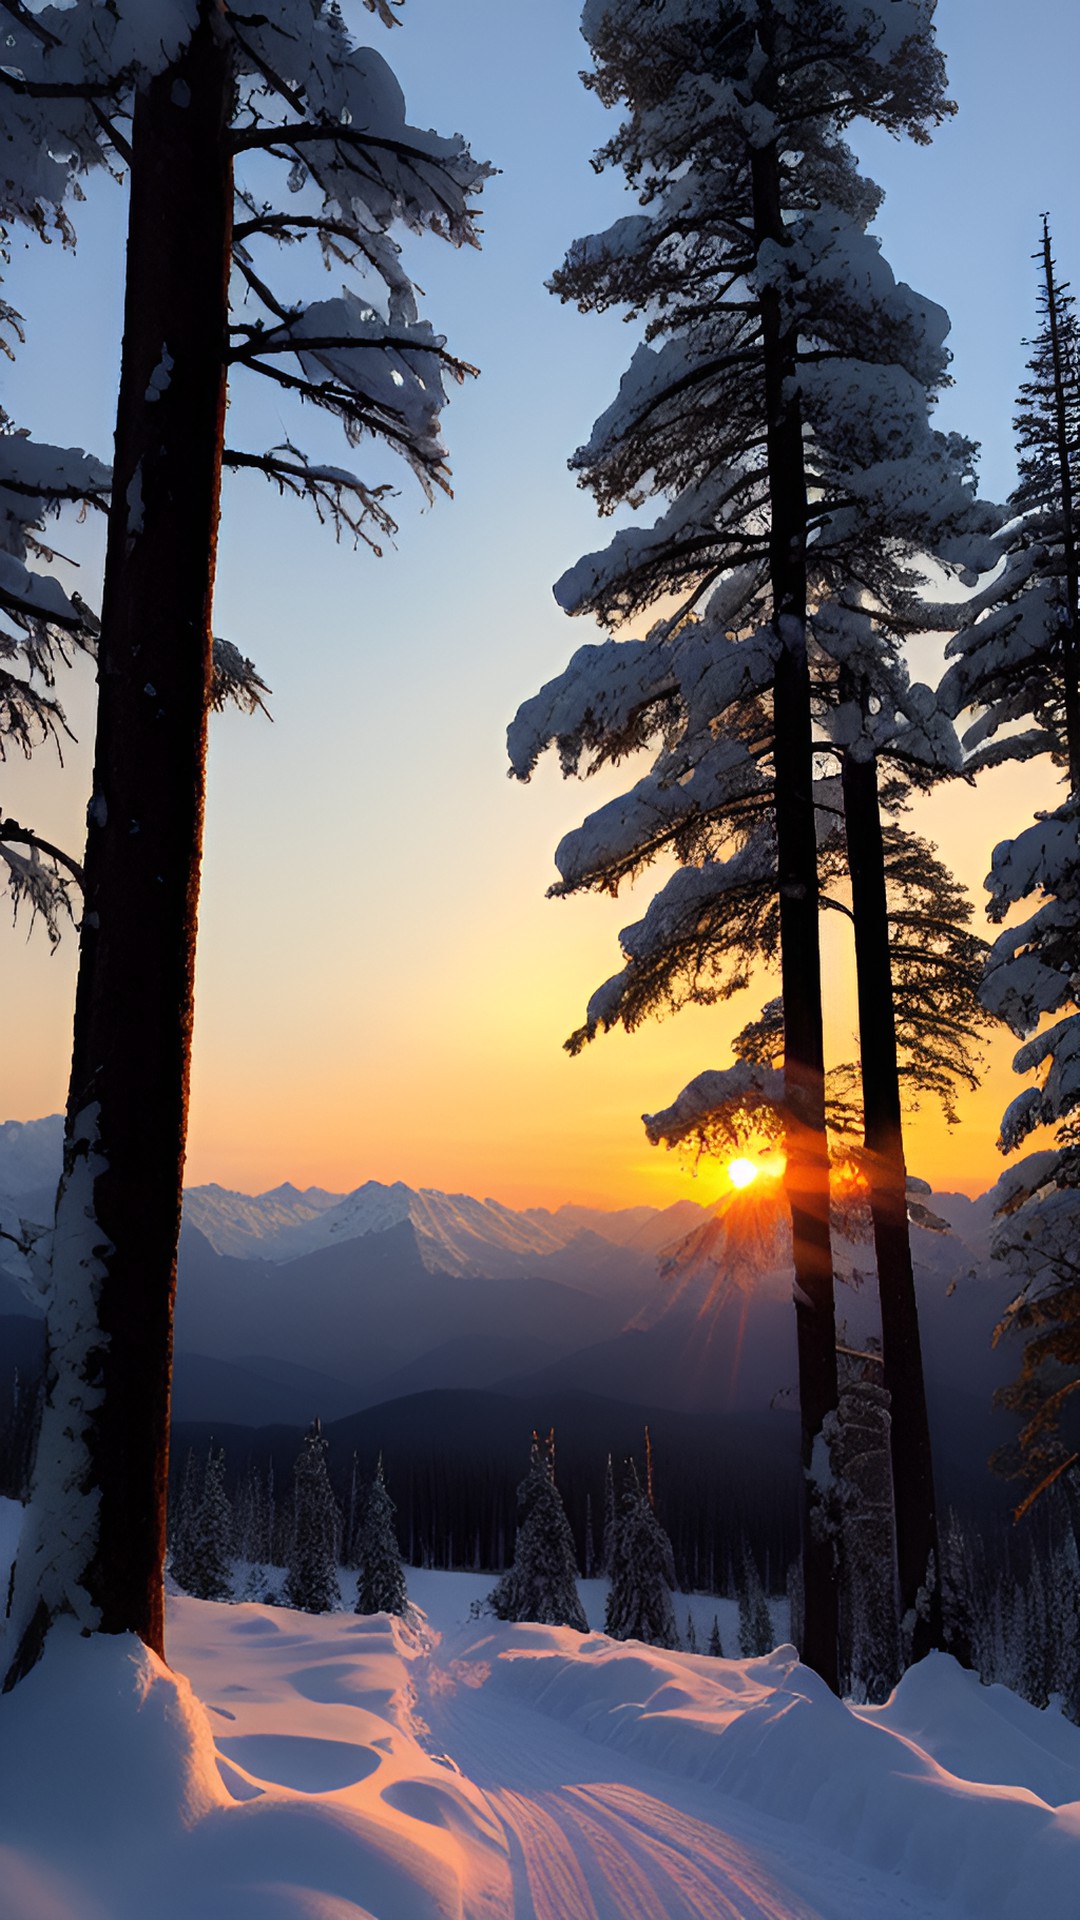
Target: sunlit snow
point(447, 1768)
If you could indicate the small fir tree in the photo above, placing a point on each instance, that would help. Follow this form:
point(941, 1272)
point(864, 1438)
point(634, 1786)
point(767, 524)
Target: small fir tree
point(311, 1583)
point(205, 1568)
point(690, 1641)
point(642, 1572)
point(755, 1626)
point(381, 1585)
point(541, 1585)
point(183, 1507)
point(715, 1648)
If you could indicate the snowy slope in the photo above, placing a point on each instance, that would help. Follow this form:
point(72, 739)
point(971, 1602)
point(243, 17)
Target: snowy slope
point(243, 1223)
point(455, 1233)
point(361, 1769)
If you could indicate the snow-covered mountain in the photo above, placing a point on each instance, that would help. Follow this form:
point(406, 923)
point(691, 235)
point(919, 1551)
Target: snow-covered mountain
point(454, 1233)
point(248, 1225)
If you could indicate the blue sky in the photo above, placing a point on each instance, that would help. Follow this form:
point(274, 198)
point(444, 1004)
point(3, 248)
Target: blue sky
point(382, 987)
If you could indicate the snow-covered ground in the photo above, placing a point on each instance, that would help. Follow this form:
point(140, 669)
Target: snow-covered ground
point(337, 1768)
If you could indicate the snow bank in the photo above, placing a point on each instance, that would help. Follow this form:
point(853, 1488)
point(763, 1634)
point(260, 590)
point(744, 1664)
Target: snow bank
point(345, 1768)
point(299, 1790)
point(963, 1791)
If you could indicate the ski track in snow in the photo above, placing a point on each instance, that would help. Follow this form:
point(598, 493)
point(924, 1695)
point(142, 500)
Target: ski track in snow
point(586, 1844)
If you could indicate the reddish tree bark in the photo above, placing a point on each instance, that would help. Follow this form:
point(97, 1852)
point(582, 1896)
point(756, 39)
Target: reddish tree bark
point(807, 1174)
point(918, 1557)
point(128, 1091)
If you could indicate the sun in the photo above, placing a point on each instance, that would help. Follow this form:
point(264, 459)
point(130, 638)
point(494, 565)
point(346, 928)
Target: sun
point(742, 1172)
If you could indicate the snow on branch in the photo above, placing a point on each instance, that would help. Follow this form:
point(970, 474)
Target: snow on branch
point(39, 879)
point(235, 680)
point(380, 378)
point(1046, 856)
point(667, 807)
point(614, 696)
point(699, 938)
point(340, 499)
point(714, 1098)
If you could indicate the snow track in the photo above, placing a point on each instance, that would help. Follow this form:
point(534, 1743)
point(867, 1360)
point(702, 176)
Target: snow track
point(594, 1836)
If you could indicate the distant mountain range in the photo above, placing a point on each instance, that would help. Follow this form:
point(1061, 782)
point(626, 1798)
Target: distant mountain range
point(295, 1302)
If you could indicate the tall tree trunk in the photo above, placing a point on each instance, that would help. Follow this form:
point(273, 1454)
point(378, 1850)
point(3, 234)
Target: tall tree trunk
point(807, 1175)
point(918, 1557)
point(1071, 638)
point(104, 1447)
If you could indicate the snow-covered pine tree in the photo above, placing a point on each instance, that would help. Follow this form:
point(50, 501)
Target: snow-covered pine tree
point(204, 1566)
point(380, 1587)
point(41, 627)
point(756, 1636)
point(715, 1647)
point(178, 101)
point(1016, 651)
point(639, 1605)
point(786, 350)
point(183, 1508)
point(311, 1580)
point(541, 1582)
point(1016, 662)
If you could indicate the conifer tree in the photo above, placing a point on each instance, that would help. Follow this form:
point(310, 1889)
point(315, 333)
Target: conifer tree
point(715, 1647)
point(1018, 647)
point(690, 1637)
point(1064, 1624)
point(42, 628)
point(182, 1511)
point(179, 101)
point(311, 1582)
point(541, 1583)
point(380, 1587)
point(1015, 670)
point(756, 1636)
point(784, 342)
point(204, 1566)
point(639, 1605)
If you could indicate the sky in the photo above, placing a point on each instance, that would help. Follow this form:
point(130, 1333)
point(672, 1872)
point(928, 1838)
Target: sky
point(382, 986)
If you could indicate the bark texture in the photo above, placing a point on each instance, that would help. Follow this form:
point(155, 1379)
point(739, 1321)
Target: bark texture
point(807, 1175)
point(912, 1460)
point(128, 1095)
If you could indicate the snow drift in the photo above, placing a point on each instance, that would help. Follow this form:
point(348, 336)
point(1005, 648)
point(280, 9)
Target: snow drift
point(348, 1768)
